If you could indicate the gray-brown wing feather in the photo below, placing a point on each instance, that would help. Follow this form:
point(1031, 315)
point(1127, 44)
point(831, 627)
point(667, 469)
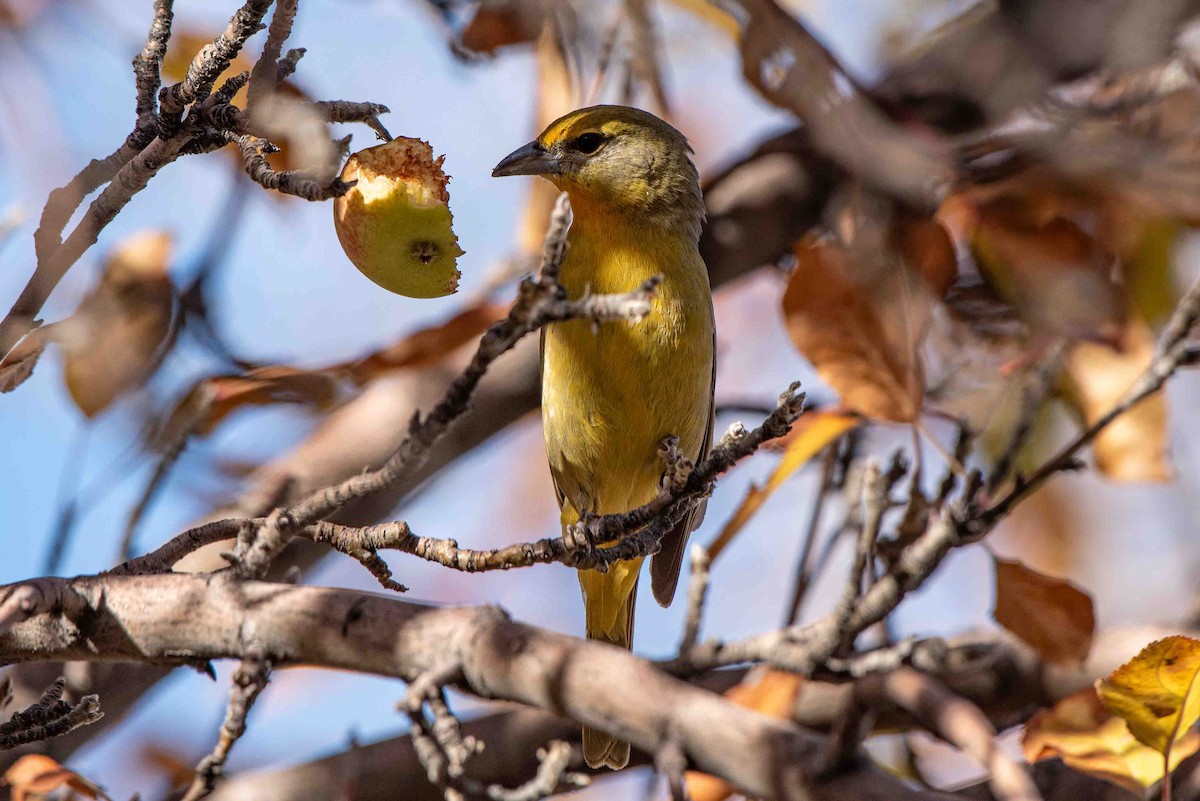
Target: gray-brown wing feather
point(664, 565)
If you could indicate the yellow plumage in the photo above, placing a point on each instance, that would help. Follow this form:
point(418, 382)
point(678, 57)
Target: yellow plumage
point(611, 396)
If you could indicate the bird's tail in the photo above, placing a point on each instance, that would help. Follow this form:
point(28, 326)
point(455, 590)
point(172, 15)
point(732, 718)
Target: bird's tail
point(608, 600)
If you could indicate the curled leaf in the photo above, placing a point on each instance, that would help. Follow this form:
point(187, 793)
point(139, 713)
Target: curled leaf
point(1081, 732)
point(1053, 616)
point(18, 365)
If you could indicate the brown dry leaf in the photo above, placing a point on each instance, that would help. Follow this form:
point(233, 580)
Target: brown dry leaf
point(1134, 446)
point(429, 345)
point(213, 399)
point(1080, 731)
point(771, 692)
point(35, 776)
point(811, 433)
point(18, 365)
point(116, 338)
point(860, 328)
point(266, 386)
point(1051, 615)
point(1057, 276)
point(926, 247)
point(1156, 692)
point(501, 23)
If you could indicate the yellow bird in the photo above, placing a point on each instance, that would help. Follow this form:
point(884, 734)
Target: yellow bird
point(610, 397)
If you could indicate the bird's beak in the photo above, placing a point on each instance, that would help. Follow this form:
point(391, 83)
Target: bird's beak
point(530, 159)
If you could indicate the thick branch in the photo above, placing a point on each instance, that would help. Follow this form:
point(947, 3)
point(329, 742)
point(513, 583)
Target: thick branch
point(178, 617)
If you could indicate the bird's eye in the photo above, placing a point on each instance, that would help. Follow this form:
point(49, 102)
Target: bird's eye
point(588, 142)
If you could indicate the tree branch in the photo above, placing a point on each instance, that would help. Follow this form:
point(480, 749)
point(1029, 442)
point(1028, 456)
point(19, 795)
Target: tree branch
point(181, 618)
point(50, 716)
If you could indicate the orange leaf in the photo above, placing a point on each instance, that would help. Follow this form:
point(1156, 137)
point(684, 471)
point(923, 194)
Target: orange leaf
point(771, 692)
point(1081, 732)
point(1134, 446)
point(860, 329)
point(35, 776)
point(811, 433)
point(1053, 616)
point(429, 345)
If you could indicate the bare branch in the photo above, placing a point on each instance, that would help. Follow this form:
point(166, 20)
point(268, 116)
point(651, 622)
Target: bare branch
point(697, 592)
point(500, 659)
point(50, 716)
point(249, 680)
point(1172, 353)
point(959, 723)
point(293, 182)
point(264, 79)
point(212, 60)
point(147, 66)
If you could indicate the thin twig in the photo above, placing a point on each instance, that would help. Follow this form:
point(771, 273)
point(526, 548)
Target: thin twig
point(292, 182)
point(50, 716)
point(1036, 389)
point(1171, 354)
point(697, 592)
point(249, 680)
point(958, 722)
point(804, 562)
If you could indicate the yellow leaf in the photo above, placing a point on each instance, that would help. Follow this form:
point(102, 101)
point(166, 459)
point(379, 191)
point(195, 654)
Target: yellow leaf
point(1053, 616)
point(812, 432)
point(1155, 692)
point(1081, 732)
point(1134, 446)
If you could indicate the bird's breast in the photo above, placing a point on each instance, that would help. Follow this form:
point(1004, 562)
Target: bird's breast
point(610, 395)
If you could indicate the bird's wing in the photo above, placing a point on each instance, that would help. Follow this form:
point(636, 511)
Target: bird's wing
point(664, 565)
point(558, 492)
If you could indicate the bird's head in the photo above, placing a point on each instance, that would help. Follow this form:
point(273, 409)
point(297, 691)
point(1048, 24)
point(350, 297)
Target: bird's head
point(614, 159)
